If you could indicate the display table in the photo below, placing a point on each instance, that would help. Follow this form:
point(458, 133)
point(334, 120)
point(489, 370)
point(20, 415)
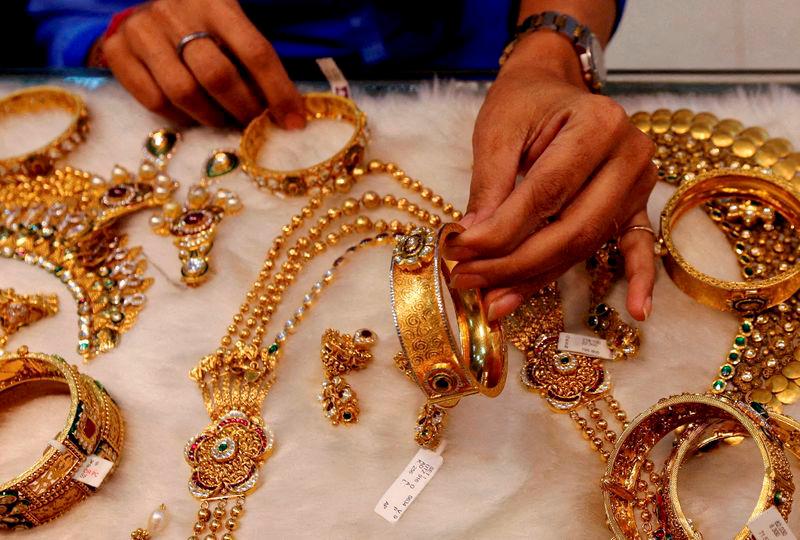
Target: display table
point(512, 468)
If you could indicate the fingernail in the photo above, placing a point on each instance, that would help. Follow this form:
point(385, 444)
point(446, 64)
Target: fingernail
point(294, 120)
point(504, 305)
point(468, 281)
point(647, 307)
point(467, 220)
point(456, 253)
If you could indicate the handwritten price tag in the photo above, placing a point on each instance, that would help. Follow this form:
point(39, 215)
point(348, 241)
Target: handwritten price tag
point(93, 470)
point(409, 484)
point(585, 345)
point(770, 525)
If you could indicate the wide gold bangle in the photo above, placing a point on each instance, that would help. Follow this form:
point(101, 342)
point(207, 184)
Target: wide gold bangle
point(743, 297)
point(651, 426)
point(309, 180)
point(39, 98)
point(94, 426)
point(445, 367)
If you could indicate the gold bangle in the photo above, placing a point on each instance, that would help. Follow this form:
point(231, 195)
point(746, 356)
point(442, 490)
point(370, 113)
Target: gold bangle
point(41, 161)
point(309, 180)
point(446, 368)
point(743, 297)
point(647, 429)
point(94, 427)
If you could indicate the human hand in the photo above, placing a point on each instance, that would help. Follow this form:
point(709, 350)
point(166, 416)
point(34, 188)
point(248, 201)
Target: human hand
point(207, 85)
point(587, 176)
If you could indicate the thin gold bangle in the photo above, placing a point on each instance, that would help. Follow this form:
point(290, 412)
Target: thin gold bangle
point(94, 426)
point(309, 180)
point(41, 161)
point(743, 297)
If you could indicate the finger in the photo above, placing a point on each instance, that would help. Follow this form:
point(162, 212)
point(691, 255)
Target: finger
point(259, 57)
point(155, 50)
point(583, 226)
point(504, 301)
point(575, 150)
point(137, 80)
point(640, 268)
point(214, 71)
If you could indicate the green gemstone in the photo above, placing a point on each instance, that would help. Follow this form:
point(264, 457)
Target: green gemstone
point(718, 386)
point(161, 142)
point(746, 327)
point(83, 345)
point(273, 348)
point(733, 355)
point(759, 408)
point(726, 371)
point(222, 446)
point(748, 271)
point(740, 341)
point(220, 163)
point(778, 498)
point(564, 360)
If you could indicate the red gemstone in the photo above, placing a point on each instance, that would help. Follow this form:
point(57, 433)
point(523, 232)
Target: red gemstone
point(193, 218)
point(89, 428)
point(117, 192)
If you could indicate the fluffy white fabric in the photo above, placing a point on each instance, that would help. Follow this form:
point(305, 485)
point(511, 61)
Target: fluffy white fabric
point(512, 469)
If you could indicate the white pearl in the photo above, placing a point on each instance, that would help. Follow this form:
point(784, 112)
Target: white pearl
point(147, 170)
point(98, 181)
point(156, 221)
point(157, 520)
point(119, 174)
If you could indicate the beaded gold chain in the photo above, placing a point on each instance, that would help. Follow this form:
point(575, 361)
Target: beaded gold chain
point(234, 381)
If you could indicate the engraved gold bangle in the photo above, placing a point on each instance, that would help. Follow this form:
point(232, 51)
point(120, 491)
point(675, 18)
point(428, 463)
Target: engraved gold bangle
point(39, 98)
point(743, 297)
point(651, 426)
point(309, 180)
point(444, 366)
point(94, 426)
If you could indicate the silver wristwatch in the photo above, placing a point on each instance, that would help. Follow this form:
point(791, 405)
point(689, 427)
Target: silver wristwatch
point(586, 45)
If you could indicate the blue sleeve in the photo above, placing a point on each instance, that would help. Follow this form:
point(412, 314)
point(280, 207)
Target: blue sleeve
point(618, 16)
point(69, 28)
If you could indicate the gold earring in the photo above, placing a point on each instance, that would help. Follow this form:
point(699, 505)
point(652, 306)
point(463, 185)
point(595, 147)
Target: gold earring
point(341, 354)
point(18, 310)
point(193, 225)
point(432, 418)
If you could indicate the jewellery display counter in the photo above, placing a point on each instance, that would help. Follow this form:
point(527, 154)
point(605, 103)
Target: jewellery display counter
point(512, 468)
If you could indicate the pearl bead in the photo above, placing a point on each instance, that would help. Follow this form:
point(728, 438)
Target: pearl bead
point(171, 210)
point(198, 195)
point(156, 221)
point(119, 174)
point(147, 170)
point(157, 520)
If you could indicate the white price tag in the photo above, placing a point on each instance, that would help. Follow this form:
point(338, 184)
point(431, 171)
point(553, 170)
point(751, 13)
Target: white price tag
point(770, 525)
point(585, 345)
point(336, 78)
point(409, 484)
point(93, 470)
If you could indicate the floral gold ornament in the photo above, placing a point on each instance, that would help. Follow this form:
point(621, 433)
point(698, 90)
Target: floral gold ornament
point(742, 297)
point(94, 427)
point(342, 354)
point(334, 172)
point(647, 429)
point(445, 367)
point(193, 226)
point(18, 310)
point(40, 98)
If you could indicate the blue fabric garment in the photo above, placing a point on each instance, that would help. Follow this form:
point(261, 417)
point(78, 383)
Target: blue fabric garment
point(447, 34)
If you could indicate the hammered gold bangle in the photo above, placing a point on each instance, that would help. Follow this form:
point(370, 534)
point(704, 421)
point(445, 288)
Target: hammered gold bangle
point(444, 366)
point(651, 426)
point(309, 180)
point(743, 297)
point(39, 98)
point(94, 426)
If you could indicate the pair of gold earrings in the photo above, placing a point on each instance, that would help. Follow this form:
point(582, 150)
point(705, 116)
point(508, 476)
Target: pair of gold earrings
point(341, 354)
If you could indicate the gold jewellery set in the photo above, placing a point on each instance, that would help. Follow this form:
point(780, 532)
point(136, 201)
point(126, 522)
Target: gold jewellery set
point(66, 222)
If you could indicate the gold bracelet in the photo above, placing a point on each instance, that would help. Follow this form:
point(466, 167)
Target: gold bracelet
point(446, 368)
point(38, 98)
point(94, 427)
point(743, 297)
point(648, 428)
point(334, 171)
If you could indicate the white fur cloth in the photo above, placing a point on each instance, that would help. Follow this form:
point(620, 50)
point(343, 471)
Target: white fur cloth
point(512, 468)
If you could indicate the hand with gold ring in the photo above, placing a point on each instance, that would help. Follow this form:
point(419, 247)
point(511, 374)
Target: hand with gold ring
point(203, 61)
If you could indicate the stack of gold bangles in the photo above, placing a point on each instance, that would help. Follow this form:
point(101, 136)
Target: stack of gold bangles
point(94, 429)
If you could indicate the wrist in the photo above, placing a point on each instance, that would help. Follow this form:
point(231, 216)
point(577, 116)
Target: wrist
point(547, 52)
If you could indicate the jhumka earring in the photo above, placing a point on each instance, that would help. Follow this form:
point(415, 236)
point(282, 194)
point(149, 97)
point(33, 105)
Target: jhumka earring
point(194, 225)
point(18, 310)
point(342, 354)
